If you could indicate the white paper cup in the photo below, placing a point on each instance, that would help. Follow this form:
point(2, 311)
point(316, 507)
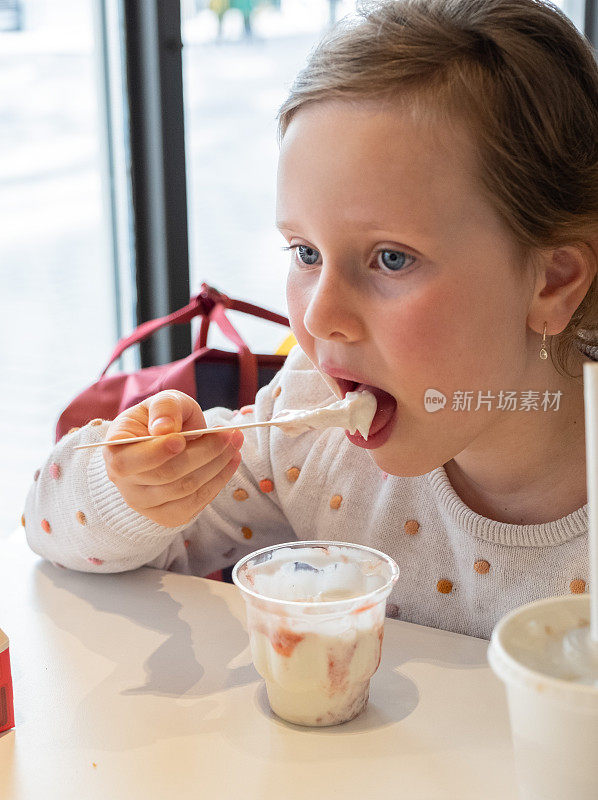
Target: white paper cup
point(554, 722)
point(317, 657)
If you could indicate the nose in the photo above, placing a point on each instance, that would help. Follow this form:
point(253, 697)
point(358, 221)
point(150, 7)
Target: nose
point(334, 308)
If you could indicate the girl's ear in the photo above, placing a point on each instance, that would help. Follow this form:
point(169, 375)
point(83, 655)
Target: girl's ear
point(563, 278)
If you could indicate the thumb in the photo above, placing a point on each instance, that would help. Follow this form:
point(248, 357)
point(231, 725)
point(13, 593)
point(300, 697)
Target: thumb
point(171, 411)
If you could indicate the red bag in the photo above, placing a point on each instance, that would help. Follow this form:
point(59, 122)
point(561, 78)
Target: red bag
point(213, 377)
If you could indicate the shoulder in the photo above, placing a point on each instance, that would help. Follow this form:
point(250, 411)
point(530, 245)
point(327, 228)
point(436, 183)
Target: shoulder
point(301, 385)
point(297, 360)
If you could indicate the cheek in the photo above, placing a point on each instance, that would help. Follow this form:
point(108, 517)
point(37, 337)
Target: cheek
point(293, 295)
point(432, 339)
point(421, 328)
point(297, 302)
point(458, 337)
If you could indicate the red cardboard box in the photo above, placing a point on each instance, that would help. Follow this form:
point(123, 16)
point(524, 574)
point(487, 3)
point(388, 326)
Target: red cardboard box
point(7, 714)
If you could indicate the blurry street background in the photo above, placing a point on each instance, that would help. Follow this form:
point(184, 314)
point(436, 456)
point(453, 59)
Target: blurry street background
point(58, 321)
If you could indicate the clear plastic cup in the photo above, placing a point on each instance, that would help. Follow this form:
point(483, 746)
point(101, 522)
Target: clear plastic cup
point(316, 653)
point(554, 720)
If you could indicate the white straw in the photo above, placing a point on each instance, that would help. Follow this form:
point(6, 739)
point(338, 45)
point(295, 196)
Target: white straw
point(590, 380)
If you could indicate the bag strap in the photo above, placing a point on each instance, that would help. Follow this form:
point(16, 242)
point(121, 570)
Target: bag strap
point(212, 295)
point(248, 370)
point(202, 305)
point(195, 306)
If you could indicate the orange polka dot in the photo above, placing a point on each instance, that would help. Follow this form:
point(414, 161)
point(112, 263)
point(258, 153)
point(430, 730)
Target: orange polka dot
point(411, 527)
point(55, 471)
point(335, 501)
point(81, 518)
point(578, 586)
point(23, 520)
point(247, 532)
point(46, 526)
point(187, 543)
point(246, 410)
point(293, 474)
point(276, 392)
point(482, 567)
point(36, 474)
point(444, 587)
point(240, 494)
point(72, 430)
point(266, 485)
point(95, 422)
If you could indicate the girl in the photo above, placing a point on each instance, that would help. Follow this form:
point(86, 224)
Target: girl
point(438, 190)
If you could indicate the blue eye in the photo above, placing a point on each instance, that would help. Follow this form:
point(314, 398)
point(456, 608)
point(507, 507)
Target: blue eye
point(306, 253)
point(396, 260)
point(304, 249)
point(391, 261)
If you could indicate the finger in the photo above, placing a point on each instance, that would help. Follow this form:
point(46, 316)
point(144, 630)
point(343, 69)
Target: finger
point(172, 410)
point(151, 496)
point(128, 460)
point(197, 454)
point(129, 423)
point(179, 512)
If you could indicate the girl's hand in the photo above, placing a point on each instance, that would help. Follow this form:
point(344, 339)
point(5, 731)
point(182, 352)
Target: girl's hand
point(171, 479)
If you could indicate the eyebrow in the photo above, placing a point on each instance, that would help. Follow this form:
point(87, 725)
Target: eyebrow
point(288, 225)
point(361, 225)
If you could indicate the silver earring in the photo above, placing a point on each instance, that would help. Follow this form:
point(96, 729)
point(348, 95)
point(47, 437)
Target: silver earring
point(543, 351)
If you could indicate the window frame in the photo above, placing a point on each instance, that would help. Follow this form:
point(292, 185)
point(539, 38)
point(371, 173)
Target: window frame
point(156, 133)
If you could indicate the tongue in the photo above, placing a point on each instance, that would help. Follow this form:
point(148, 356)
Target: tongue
point(386, 406)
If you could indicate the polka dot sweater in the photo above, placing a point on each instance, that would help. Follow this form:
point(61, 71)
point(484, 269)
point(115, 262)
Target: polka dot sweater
point(458, 570)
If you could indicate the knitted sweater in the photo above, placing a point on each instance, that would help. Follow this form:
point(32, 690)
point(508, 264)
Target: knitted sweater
point(458, 570)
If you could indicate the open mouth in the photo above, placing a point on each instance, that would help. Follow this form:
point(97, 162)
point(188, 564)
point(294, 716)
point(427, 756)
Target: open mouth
point(383, 420)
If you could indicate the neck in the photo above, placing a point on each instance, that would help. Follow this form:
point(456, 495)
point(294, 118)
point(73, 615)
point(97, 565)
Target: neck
point(544, 477)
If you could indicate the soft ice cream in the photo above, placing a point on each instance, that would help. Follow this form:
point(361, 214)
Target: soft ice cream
point(569, 655)
point(354, 412)
point(315, 617)
point(323, 575)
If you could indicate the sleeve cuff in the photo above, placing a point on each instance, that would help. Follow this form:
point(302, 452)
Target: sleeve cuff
point(115, 513)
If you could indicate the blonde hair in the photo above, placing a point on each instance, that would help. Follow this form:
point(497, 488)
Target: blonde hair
point(525, 81)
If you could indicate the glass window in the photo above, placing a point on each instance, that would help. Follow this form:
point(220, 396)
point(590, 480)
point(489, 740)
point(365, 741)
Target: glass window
point(57, 326)
point(575, 10)
point(236, 74)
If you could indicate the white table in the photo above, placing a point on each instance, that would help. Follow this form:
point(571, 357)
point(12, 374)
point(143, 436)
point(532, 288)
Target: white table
point(140, 685)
